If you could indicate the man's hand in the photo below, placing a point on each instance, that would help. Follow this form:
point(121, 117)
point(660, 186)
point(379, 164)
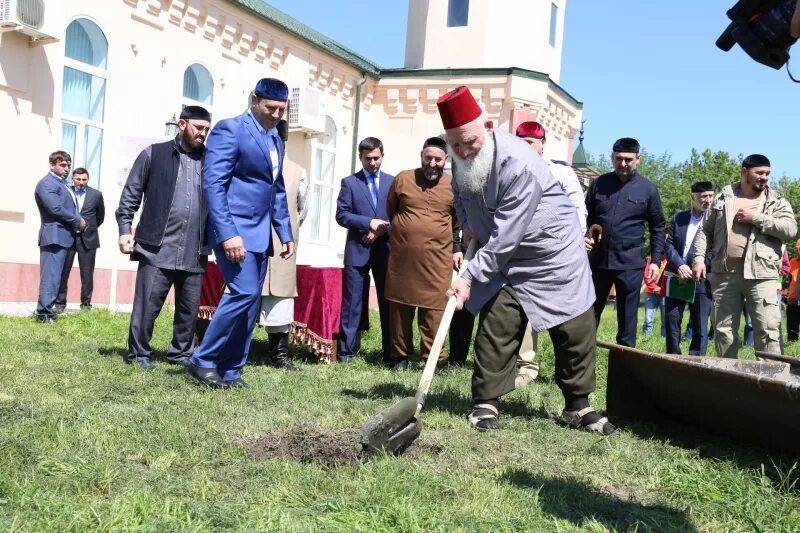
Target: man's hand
point(699, 271)
point(743, 216)
point(653, 273)
point(378, 226)
point(234, 249)
point(126, 244)
point(287, 250)
point(458, 258)
point(369, 237)
point(82, 225)
point(459, 289)
point(588, 243)
point(684, 272)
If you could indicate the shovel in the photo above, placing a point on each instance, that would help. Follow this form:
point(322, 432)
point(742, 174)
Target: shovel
point(394, 429)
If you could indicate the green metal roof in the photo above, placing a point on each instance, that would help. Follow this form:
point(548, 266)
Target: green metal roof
point(279, 18)
point(579, 157)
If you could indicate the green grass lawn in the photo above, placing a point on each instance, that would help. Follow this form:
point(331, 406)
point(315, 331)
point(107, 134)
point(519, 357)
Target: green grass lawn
point(88, 443)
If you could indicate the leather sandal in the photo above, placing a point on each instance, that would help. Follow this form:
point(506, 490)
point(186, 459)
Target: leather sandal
point(484, 418)
point(574, 419)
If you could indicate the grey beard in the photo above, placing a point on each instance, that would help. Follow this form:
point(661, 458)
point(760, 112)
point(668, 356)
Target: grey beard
point(471, 174)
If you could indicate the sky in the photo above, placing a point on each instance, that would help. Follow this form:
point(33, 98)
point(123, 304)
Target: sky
point(642, 68)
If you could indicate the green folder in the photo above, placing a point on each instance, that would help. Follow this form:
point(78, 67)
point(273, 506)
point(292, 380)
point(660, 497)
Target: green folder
point(674, 287)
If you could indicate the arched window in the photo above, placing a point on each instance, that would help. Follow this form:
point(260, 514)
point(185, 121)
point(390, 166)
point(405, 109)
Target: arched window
point(322, 184)
point(198, 86)
point(83, 96)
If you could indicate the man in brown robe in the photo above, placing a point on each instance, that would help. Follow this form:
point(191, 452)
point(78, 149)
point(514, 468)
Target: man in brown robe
point(421, 261)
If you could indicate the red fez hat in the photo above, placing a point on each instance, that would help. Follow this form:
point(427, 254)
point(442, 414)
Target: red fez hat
point(457, 107)
point(530, 130)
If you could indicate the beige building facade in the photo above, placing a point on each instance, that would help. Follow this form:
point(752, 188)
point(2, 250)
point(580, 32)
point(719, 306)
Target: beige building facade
point(101, 80)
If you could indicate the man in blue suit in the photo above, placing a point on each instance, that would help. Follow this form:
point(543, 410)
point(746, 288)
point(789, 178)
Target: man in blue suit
point(60, 220)
point(361, 208)
point(245, 194)
point(680, 251)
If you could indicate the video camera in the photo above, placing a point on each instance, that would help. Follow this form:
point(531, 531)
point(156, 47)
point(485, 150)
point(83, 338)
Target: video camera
point(762, 29)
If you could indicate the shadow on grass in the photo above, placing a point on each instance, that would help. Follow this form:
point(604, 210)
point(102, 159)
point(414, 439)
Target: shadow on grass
point(780, 468)
point(577, 502)
point(447, 400)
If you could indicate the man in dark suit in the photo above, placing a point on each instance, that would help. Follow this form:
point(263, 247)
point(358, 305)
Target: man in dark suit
point(680, 251)
point(244, 190)
point(60, 220)
point(170, 239)
point(622, 202)
point(361, 208)
point(93, 211)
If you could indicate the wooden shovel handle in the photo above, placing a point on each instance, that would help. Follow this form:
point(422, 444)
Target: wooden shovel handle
point(441, 333)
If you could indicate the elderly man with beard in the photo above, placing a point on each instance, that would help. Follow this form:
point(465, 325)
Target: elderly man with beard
point(531, 266)
point(169, 242)
point(421, 212)
point(744, 229)
point(679, 251)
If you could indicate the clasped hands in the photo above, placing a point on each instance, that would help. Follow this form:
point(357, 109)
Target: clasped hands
point(377, 228)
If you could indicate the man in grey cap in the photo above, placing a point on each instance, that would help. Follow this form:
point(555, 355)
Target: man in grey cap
point(245, 193)
point(169, 238)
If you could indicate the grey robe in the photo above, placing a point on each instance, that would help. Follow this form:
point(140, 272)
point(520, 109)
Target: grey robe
point(530, 237)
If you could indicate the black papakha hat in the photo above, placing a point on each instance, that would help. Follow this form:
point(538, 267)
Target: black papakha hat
point(627, 145)
point(195, 112)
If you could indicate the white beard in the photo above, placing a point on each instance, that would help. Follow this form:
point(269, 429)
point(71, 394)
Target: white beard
point(471, 174)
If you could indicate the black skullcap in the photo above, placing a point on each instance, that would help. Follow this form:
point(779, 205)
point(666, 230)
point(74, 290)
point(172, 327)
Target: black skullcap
point(755, 160)
point(437, 142)
point(195, 112)
point(702, 186)
point(283, 130)
point(627, 145)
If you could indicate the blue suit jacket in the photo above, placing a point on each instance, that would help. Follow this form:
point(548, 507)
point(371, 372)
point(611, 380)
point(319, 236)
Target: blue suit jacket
point(676, 241)
point(354, 211)
point(244, 194)
point(58, 212)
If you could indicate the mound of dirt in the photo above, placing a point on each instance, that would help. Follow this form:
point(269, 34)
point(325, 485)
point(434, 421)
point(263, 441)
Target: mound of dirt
point(308, 443)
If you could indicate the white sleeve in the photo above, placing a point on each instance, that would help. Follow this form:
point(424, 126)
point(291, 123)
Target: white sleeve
point(572, 186)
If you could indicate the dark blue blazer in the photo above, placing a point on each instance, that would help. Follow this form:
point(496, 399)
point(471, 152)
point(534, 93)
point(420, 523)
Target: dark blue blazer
point(245, 195)
point(676, 241)
point(354, 211)
point(58, 212)
point(623, 210)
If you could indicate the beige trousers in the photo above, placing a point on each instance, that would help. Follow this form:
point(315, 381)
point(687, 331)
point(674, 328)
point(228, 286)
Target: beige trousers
point(731, 293)
point(527, 365)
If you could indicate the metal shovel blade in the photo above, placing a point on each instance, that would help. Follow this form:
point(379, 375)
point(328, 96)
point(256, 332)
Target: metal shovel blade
point(393, 429)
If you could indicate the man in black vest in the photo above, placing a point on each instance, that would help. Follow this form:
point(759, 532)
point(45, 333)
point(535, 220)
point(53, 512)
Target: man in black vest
point(169, 242)
point(93, 211)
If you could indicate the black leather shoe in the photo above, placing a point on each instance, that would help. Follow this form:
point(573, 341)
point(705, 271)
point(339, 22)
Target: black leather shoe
point(207, 376)
point(46, 319)
point(86, 307)
point(58, 309)
point(142, 362)
point(399, 363)
point(283, 362)
point(238, 383)
point(181, 361)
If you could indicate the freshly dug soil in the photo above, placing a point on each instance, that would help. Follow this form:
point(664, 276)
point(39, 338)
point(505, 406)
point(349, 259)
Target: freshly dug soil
point(308, 443)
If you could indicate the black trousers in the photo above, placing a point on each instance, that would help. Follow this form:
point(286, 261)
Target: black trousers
point(698, 321)
point(86, 265)
point(460, 336)
point(628, 284)
point(152, 286)
point(792, 322)
point(501, 326)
